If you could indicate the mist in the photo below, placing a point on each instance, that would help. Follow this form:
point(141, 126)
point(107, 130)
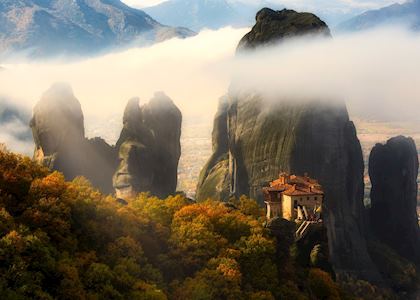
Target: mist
point(375, 72)
point(9, 137)
point(14, 127)
point(183, 69)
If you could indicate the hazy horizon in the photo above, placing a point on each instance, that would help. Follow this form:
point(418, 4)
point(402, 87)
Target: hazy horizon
point(367, 4)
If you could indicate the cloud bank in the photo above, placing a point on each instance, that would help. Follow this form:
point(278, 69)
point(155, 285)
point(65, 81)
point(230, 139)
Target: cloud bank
point(376, 73)
point(191, 71)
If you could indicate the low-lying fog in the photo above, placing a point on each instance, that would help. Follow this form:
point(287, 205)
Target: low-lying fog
point(376, 72)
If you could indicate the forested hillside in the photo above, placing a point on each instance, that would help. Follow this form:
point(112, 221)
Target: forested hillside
point(64, 240)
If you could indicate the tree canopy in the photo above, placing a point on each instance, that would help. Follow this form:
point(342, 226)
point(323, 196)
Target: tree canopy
point(65, 240)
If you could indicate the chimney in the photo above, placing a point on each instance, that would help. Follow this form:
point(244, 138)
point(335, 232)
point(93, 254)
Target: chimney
point(284, 178)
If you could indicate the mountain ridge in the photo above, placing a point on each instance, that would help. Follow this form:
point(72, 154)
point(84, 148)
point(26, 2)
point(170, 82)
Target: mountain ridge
point(44, 28)
point(406, 14)
point(200, 14)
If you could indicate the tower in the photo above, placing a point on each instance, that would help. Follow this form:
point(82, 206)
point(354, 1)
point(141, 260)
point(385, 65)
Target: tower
point(274, 206)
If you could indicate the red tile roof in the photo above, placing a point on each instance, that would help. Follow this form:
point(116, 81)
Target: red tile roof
point(292, 185)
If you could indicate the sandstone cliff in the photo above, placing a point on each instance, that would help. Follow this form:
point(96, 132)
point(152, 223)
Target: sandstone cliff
point(60, 143)
point(393, 170)
point(58, 129)
point(145, 158)
point(317, 137)
point(214, 177)
point(149, 148)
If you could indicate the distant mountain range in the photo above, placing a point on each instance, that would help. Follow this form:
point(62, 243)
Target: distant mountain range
point(215, 14)
point(76, 27)
point(43, 28)
point(407, 13)
point(211, 14)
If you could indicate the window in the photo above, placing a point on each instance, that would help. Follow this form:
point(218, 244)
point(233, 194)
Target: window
point(307, 198)
point(295, 204)
point(316, 198)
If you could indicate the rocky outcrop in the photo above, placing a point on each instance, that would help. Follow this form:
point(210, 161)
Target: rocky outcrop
point(214, 177)
point(275, 26)
point(393, 171)
point(58, 130)
point(149, 148)
point(100, 163)
point(266, 138)
point(145, 158)
point(164, 119)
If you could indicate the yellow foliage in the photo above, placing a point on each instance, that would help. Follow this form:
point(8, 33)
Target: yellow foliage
point(65, 240)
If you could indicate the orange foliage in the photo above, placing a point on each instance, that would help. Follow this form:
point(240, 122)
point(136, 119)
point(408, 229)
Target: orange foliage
point(65, 240)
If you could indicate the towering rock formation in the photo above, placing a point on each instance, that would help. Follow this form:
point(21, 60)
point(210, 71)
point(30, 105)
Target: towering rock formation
point(317, 137)
point(58, 130)
point(149, 148)
point(145, 157)
point(393, 170)
point(214, 177)
point(164, 119)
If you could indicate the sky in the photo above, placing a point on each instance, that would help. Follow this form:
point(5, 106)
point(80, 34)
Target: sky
point(142, 3)
point(364, 4)
point(332, 11)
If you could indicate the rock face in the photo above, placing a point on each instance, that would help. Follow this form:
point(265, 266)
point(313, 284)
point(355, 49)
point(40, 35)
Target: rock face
point(266, 138)
point(393, 170)
point(58, 130)
point(145, 158)
point(214, 177)
point(149, 148)
point(273, 26)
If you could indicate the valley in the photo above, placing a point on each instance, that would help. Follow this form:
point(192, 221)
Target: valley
point(196, 143)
